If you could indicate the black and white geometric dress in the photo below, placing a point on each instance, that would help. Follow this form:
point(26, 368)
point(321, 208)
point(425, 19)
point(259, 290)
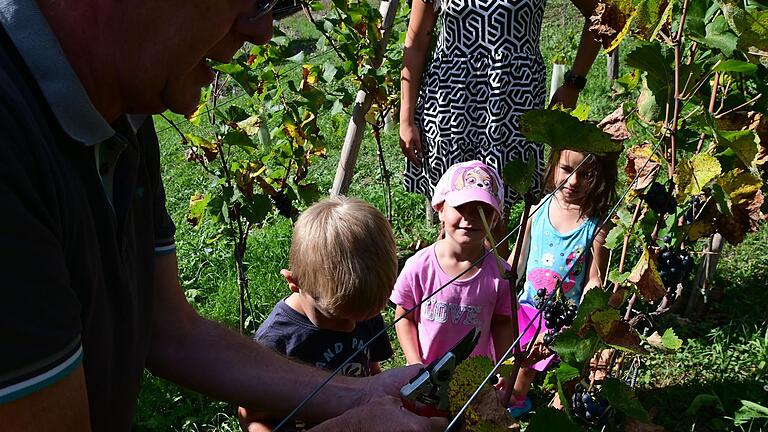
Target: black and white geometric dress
point(486, 71)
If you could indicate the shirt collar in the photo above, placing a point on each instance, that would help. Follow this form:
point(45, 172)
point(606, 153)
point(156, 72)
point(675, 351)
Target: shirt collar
point(35, 41)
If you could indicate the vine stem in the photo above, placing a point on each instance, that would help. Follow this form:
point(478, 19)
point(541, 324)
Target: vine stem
point(676, 114)
point(513, 298)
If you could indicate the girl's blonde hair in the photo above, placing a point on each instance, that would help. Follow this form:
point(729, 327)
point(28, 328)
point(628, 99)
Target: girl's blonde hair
point(343, 254)
point(600, 175)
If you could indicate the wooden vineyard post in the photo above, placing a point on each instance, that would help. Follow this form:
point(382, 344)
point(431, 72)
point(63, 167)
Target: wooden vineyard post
point(363, 102)
point(613, 64)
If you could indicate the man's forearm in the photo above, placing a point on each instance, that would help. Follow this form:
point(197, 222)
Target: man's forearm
point(207, 357)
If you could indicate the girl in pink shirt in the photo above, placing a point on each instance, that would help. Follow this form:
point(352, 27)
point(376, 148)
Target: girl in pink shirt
point(480, 297)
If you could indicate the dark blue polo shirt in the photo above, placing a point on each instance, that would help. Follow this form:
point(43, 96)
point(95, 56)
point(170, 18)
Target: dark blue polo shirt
point(82, 216)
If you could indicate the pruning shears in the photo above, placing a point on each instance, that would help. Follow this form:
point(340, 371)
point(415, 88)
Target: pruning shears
point(426, 394)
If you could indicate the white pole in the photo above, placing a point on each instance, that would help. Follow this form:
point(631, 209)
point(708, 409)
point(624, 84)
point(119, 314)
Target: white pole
point(558, 72)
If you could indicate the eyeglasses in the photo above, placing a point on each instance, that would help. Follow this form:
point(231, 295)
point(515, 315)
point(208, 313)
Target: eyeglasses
point(262, 8)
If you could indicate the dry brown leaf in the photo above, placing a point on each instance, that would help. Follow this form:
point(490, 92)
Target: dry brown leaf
point(642, 159)
point(614, 125)
point(647, 280)
point(606, 23)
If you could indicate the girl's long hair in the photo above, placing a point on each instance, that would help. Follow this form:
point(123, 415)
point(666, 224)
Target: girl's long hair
point(599, 175)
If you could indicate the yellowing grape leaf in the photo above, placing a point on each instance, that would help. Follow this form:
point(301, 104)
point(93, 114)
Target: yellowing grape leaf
point(700, 229)
point(610, 22)
point(651, 16)
point(642, 160)
point(743, 142)
point(691, 176)
point(197, 204)
point(251, 125)
point(668, 342)
point(646, 279)
point(741, 186)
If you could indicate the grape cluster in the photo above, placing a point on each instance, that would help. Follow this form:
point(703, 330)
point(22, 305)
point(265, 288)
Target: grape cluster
point(674, 265)
point(282, 203)
point(589, 406)
point(659, 199)
point(694, 206)
point(558, 313)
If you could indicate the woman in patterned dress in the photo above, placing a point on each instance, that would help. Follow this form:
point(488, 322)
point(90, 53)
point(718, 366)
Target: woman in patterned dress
point(485, 72)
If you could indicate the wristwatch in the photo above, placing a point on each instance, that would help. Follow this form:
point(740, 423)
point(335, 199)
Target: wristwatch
point(576, 81)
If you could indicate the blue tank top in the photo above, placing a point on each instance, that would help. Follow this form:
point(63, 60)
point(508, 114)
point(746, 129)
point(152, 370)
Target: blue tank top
point(552, 254)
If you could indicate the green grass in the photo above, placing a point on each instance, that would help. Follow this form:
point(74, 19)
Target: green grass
point(724, 356)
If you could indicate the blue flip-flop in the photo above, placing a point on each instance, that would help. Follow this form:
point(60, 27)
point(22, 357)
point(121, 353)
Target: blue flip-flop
point(520, 408)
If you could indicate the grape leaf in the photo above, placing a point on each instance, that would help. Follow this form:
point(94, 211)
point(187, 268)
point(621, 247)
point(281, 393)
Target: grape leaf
point(691, 175)
point(615, 237)
point(648, 108)
point(615, 332)
point(651, 15)
point(251, 125)
point(594, 300)
point(197, 205)
point(256, 209)
point(736, 66)
point(618, 278)
point(621, 397)
point(563, 131)
point(647, 280)
point(740, 186)
point(551, 419)
point(610, 22)
point(654, 59)
point(566, 372)
point(518, 174)
point(575, 348)
point(700, 229)
point(668, 342)
point(720, 36)
point(743, 142)
point(750, 25)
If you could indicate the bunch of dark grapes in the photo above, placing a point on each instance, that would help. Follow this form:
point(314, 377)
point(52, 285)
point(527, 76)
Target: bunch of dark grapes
point(557, 313)
point(283, 204)
point(590, 406)
point(659, 199)
point(674, 265)
point(694, 207)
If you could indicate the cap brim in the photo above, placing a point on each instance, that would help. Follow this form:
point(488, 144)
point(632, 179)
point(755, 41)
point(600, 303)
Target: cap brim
point(457, 198)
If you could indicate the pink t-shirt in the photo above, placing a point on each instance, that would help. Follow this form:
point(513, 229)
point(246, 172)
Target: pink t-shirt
point(449, 315)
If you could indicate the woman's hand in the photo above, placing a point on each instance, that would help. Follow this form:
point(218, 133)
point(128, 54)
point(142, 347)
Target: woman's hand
point(566, 96)
point(410, 142)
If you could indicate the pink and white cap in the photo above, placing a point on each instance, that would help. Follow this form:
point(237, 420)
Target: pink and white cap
point(469, 181)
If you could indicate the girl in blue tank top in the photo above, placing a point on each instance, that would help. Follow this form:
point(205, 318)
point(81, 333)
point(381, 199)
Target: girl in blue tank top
point(564, 243)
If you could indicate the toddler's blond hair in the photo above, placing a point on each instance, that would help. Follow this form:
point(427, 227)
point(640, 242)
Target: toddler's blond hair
point(343, 254)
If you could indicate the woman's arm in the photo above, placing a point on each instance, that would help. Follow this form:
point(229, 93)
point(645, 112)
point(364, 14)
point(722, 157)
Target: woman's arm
point(407, 335)
point(417, 42)
point(585, 55)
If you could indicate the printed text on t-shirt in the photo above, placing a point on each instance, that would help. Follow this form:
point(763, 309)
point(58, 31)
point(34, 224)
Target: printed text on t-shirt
point(442, 312)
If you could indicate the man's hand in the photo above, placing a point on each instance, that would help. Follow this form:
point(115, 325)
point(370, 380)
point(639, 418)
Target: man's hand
point(410, 143)
point(384, 414)
point(389, 382)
